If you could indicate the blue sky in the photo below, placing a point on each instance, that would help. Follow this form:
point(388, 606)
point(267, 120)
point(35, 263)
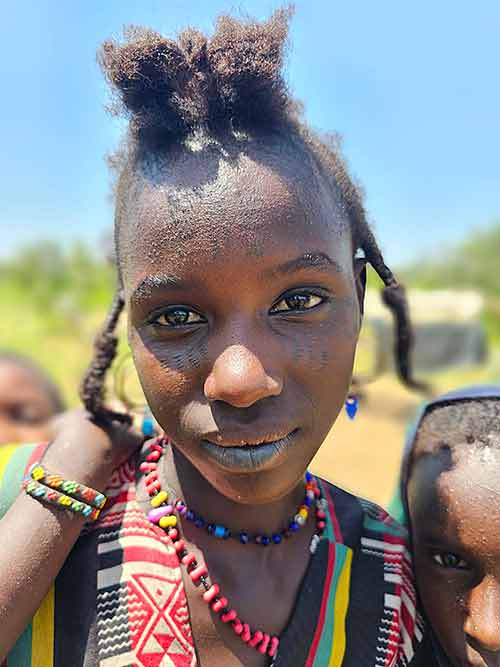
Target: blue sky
point(413, 87)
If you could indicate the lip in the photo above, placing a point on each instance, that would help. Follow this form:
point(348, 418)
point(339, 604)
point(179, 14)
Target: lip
point(245, 454)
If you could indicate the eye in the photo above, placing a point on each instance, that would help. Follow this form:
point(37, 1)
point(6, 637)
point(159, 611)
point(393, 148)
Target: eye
point(450, 561)
point(177, 316)
point(25, 414)
point(297, 301)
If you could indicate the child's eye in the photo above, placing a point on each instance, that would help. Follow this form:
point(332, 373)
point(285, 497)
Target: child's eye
point(177, 316)
point(297, 301)
point(450, 560)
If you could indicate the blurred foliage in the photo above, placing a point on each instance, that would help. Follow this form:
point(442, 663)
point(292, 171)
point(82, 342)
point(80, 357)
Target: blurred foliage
point(53, 302)
point(472, 264)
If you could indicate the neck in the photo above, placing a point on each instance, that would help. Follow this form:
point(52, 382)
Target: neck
point(214, 507)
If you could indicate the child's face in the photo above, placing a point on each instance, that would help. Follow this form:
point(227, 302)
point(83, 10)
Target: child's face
point(455, 519)
point(25, 408)
point(243, 318)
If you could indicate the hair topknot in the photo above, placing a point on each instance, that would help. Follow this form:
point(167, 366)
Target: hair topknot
point(170, 89)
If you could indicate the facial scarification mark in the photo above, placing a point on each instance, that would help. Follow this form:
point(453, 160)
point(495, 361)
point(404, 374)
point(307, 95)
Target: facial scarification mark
point(186, 360)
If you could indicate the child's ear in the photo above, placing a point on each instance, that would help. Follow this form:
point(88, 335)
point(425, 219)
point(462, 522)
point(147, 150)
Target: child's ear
point(360, 279)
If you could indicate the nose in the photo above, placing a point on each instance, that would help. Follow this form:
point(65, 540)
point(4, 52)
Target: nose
point(482, 626)
point(239, 378)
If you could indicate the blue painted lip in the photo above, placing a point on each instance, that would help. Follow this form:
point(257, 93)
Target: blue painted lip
point(248, 458)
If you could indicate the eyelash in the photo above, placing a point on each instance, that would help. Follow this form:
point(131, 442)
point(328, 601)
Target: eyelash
point(439, 559)
point(307, 293)
point(154, 319)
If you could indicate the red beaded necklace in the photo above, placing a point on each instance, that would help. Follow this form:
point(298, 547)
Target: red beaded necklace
point(164, 512)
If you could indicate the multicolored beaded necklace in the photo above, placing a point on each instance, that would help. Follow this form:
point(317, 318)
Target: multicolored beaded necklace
point(163, 514)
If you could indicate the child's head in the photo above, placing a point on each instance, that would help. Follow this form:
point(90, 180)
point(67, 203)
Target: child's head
point(28, 400)
point(238, 235)
point(453, 496)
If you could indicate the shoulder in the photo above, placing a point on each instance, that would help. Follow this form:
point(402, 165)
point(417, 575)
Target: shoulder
point(357, 520)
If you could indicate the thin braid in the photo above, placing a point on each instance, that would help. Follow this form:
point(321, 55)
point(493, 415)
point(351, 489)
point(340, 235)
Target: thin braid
point(92, 387)
point(394, 297)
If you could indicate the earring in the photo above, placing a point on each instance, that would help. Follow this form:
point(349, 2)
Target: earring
point(148, 427)
point(351, 405)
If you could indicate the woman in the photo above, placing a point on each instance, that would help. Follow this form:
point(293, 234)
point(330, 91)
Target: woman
point(241, 245)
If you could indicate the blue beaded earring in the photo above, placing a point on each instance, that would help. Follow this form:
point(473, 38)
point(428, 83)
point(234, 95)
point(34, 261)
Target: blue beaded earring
point(351, 405)
point(148, 427)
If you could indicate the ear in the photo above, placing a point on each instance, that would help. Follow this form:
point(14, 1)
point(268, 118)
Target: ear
point(360, 280)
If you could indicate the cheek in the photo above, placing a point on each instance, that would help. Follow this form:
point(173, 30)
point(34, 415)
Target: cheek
point(327, 346)
point(169, 374)
point(445, 607)
point(186, 358)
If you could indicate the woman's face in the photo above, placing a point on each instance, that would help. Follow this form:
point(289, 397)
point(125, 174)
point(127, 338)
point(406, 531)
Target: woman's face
point(455, 518)
point(25, 407)
point(244, 312)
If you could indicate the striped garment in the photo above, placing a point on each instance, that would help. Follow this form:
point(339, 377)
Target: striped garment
point(119, 600)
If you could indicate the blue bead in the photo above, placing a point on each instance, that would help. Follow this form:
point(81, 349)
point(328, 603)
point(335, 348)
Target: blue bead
point(351, 406)
point(244, 538)
point(220, 531)
point(199, 522)
point(294, 526)
point(211, 528)
point(227, 534)
point(190, 515)
point(148, 429)
point(277, 538)
point(309, 477)
point(265, 540)
point(308, 501)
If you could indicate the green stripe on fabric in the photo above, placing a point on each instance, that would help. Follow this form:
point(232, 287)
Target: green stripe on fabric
point(20, 656)
point(13, 475)
point(390, 528)
point(327, 639)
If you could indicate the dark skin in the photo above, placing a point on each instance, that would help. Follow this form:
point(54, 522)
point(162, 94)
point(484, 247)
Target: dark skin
point(455, 514)
point(243, 322)
point(25, 407)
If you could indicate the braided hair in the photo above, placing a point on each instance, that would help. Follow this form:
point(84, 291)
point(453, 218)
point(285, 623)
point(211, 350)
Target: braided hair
point(230, 85)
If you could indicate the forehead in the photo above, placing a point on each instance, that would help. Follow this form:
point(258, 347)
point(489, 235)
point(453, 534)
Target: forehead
point(461, 497)
point(202, 207)
point(19, 383)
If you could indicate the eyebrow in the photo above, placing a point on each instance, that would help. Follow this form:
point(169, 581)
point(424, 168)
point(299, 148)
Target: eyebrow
point(151, 284)
point(309, 260)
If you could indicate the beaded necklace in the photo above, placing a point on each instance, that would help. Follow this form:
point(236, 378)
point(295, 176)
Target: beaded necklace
point(163, 513)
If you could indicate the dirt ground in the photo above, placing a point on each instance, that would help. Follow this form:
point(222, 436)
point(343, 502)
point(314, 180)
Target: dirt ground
point(363, 455)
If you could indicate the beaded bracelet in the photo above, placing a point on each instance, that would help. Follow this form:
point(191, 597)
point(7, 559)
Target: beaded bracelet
point(74, 489)
point(54, 497)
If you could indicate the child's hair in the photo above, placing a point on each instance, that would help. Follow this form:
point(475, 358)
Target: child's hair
point(40, 376)
point(445, 425)
point(227, 90)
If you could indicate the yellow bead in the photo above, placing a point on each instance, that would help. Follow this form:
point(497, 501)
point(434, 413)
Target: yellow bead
point(37, 473)
point(64, 500)
point(168, 522)
point(160, 498)
point(304, 513)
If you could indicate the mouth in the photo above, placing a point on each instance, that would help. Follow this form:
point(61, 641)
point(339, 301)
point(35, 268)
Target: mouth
point(249, 453)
